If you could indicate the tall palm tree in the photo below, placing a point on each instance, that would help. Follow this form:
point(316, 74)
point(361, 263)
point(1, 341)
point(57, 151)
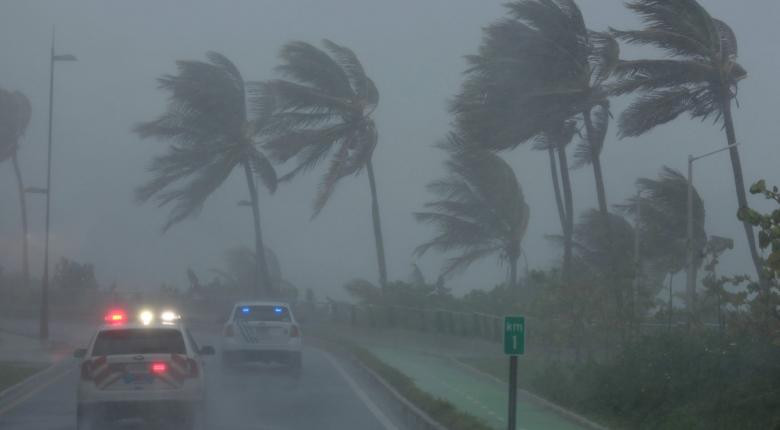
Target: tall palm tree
point(698, 77)
point(481, 211)
point(15, 113)
point(662, 222)
point(323, 109)
point(211, 136)
point(541, 70)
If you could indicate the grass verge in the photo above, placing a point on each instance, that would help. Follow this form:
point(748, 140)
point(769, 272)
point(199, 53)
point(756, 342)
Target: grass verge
point(442, 411)
point(13, 373)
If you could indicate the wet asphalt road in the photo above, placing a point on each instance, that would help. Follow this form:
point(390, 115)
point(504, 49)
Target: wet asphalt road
point(250, 397)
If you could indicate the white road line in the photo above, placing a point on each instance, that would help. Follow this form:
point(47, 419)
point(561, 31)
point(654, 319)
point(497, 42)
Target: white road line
point(378, 414)
point(35, 391)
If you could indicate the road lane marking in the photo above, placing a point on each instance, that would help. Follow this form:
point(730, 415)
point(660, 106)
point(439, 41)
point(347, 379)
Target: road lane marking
point(378, 414)
point(35, 391)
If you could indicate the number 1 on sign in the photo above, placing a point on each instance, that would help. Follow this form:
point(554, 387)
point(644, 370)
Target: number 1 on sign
point(514, 342)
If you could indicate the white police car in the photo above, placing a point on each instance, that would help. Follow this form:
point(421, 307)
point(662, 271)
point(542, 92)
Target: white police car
point(150, 370)
point(265, 332)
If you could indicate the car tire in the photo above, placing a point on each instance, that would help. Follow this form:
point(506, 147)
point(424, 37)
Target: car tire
point(197, 418)
point(296, 361)
point(87, 419)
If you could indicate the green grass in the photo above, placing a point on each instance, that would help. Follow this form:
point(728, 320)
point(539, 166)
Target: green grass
point(13, 373)
point(442, 411)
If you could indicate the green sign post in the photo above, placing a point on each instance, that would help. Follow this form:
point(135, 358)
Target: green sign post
point(514, 335)
point(514, 345)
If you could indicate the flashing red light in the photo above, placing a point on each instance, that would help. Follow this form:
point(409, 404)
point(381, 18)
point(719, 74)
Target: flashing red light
point(159, 367)
point(116, 316)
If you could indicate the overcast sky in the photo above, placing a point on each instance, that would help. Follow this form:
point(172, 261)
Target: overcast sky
point(412, 49)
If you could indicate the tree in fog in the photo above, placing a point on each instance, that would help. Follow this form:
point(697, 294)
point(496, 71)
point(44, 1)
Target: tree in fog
point(323, 110)
point(481, 211)
point(663, 220)
point(539, 74)
point(699, 76)
point(211, 135)
point(15, 112)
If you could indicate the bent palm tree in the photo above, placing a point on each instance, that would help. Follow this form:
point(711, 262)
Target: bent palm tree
point(323, 110)
point(15, 112)
point(699, 78)
point(211, 136)
point(662, 222)
point(540, 71)
point(481, 213)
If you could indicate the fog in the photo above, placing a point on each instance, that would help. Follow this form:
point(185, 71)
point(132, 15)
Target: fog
point(413, 51)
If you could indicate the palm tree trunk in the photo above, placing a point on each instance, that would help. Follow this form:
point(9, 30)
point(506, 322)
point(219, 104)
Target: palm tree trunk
point(557, 188)
point(601, 194)
point(513, 271)
point(568, 228)
point(23, 206)
point(263, 284)
point(671, 302)
point(378, 241)
point(739, 182)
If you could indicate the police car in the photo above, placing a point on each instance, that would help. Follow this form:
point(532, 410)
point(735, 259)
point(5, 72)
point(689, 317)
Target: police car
point(148, 369)
point(265, 332)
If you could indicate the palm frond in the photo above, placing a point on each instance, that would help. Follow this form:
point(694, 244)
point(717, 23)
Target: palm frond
point(363, 86)
point(656, 108)
point(313, 67)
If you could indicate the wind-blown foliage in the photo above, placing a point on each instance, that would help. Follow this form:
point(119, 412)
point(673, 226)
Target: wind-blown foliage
point(15, 113)
point(663, 219)
point(698, 75)
point(210, 136)
point(539, 71)
point(481, 211)
point(322, 110)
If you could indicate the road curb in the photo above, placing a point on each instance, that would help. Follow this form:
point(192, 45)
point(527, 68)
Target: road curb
point(560, 410)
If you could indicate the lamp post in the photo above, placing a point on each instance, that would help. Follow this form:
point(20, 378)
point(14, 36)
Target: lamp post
point(44, 317)
point(690, 284)
point(637, 257)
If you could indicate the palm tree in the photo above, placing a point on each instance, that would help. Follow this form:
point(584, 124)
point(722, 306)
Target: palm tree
point(662, 223)
point(537, 72)
point(699, 77)
point(481, 211)
point(15, 112)
point(211, 136)
point(324, 109)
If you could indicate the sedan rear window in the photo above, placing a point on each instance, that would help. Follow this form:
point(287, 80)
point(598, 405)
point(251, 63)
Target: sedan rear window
point(139, 341)
point(262, 313)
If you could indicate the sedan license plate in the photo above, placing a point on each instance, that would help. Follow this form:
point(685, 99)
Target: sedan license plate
point(137, 378)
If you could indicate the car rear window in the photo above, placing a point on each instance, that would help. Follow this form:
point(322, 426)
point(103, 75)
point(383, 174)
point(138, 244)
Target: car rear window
point(139, 341)
point(262, 313)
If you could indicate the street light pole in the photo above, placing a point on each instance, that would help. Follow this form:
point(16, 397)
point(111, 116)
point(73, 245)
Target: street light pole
point(44, 317)
point(637, 261)
point(690, 284)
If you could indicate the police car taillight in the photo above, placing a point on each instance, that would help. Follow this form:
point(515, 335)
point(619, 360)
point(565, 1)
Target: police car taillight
point(295, 331)
point(229, 330)
point(159, 368)
point(116, 316)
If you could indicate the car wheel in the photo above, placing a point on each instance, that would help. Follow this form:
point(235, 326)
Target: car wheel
point(196, 418)
point(296, 361)
point(87, 419)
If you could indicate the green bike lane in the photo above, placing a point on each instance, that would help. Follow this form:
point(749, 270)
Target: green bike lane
point(469, 391)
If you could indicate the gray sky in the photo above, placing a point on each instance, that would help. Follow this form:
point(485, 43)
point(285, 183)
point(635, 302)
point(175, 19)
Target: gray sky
point(412, 49)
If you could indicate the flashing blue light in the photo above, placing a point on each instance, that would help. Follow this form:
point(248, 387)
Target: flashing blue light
point(245, 310)
point(278, 310)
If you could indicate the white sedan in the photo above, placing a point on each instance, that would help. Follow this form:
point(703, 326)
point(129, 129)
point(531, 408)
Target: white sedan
point(264, 332)
point(150, 370)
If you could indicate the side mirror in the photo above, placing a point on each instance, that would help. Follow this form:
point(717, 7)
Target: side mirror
point(80, 353)
point(206, 350)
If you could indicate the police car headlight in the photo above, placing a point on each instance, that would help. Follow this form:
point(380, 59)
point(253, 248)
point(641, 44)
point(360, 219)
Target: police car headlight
point(146, 317)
